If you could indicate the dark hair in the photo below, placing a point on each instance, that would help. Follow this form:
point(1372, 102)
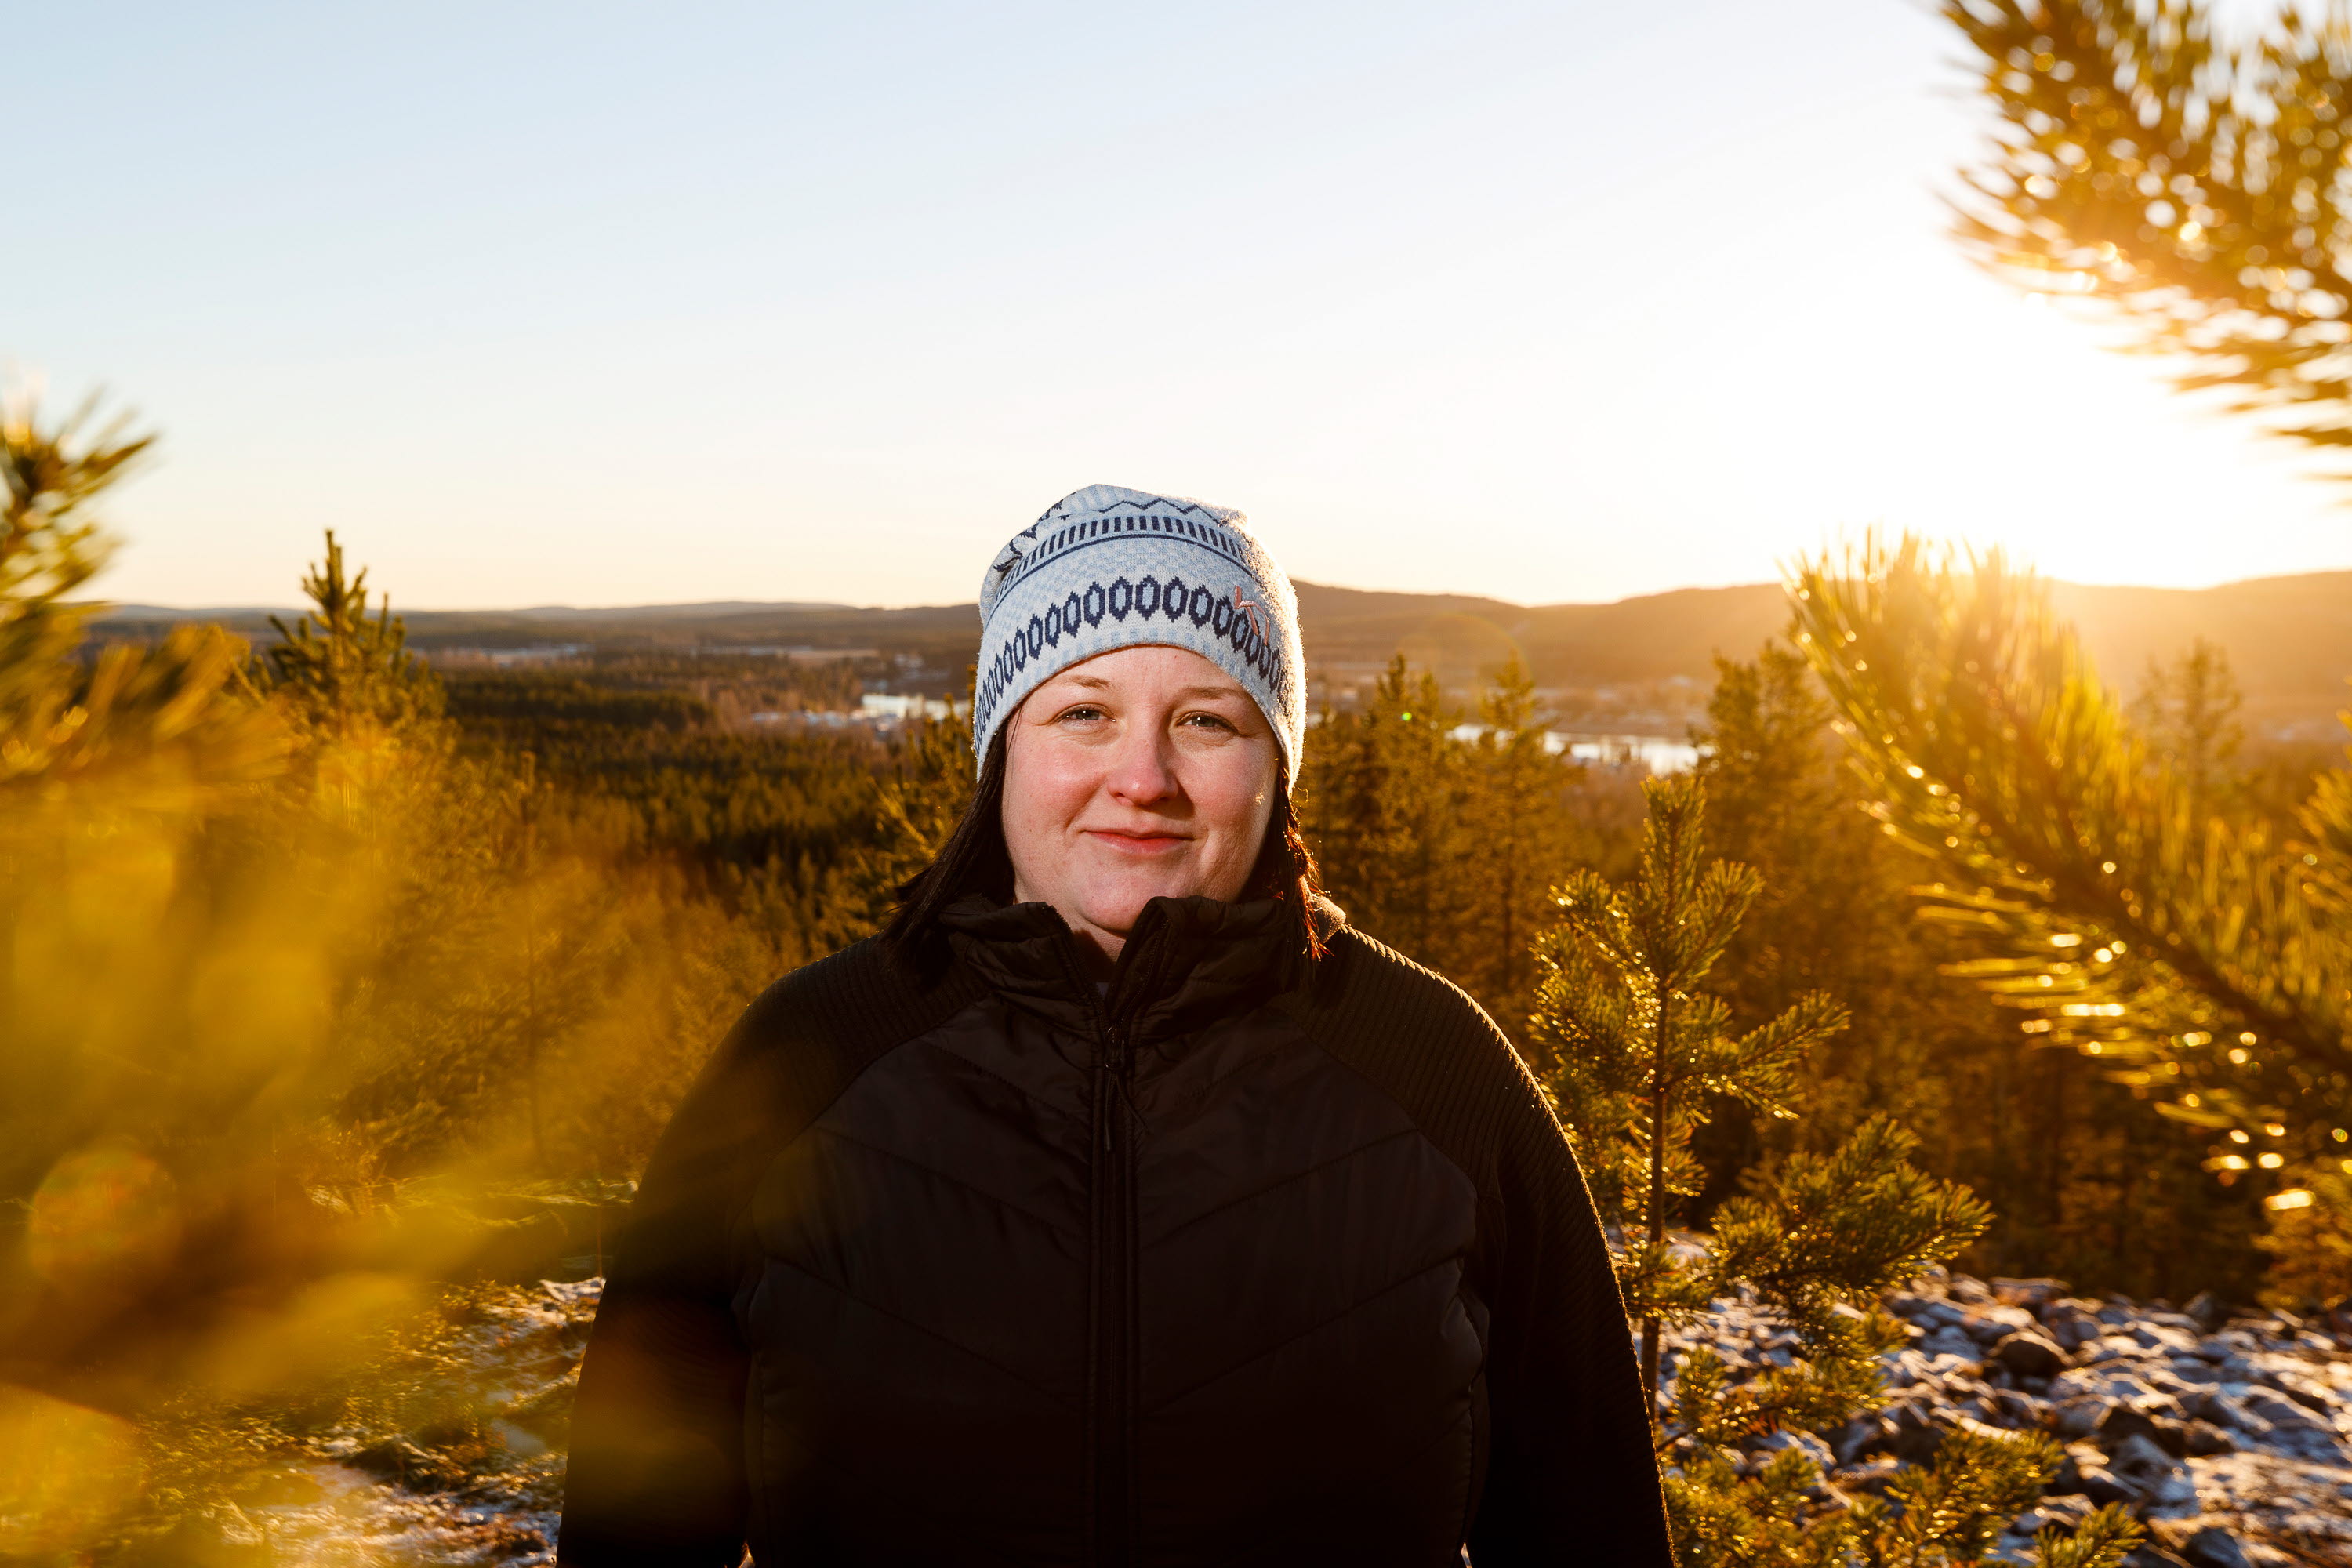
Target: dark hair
point(974, 860)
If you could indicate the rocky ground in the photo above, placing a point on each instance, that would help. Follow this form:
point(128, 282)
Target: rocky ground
point(2232, 1436)
point(451, 1452)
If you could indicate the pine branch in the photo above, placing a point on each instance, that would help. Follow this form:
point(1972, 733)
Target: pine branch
point(2194, 196)
point(2196, 954)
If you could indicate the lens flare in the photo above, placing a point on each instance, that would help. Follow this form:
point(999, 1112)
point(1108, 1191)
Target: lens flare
point(65, 1471)
point(107, 1213)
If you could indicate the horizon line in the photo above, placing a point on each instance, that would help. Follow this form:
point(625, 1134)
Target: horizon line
point(104, 607)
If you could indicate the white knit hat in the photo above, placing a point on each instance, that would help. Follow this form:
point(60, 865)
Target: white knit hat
point(1108, 568)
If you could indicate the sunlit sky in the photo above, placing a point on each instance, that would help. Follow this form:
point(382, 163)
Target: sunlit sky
point(607, 304)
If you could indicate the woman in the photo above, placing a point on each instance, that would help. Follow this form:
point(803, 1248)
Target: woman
point(1118, 1204)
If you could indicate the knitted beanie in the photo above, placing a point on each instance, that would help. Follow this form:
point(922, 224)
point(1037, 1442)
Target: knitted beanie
point(1108, 568)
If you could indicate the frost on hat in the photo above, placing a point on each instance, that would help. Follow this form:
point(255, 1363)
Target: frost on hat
point(1108, 568)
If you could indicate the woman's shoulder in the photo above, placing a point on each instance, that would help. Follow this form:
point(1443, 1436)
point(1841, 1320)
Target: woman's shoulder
point(806, 1038)
point(1427, 1044)
point(864, 998)
point(1371, 985)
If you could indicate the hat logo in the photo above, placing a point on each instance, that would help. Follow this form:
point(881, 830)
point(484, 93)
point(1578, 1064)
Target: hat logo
point(1251, 609)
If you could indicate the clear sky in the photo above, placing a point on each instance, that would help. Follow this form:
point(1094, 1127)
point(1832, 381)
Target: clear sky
point(610, 304)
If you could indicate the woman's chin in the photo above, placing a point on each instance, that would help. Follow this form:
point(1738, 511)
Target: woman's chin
point(1115, 908)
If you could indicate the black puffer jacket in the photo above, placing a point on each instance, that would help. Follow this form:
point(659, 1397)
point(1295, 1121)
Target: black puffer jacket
point(1252, 1259)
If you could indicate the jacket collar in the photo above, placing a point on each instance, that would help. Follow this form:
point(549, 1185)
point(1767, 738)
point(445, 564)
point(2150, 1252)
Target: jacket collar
point(1188, 961)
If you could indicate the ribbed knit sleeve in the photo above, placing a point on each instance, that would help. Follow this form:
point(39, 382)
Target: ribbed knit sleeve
point(656, 1475)
point(1571, 1473)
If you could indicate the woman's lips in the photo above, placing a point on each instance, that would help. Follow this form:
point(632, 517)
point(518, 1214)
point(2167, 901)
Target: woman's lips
point(1137, 843)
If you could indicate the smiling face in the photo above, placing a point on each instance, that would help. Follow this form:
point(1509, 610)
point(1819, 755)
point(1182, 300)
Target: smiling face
point(1142, 771)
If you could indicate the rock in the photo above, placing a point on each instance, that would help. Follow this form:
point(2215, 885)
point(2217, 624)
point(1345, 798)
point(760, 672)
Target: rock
point(2293, 1429)
point(1865, 1434)
point(1904, 1304)
point(2123, 1422)
point(1965, 1288)
point(2078, 1418)
point(2027, 1293)
point(2305, 1393)
point(2120, 1423)
point(1916, 1434)
point(2103, 1487)
point(2213, 1547)
point(2072, 1330)
point(1907, 1367)
point(2204, 1438)
point(1987, 1324)
point(2149, 1555)
point(2229, 1411)
point(2162, 1337)
point(2172, 1497)
point(2068, 1479)
point(2140, 1461)
point(1872, 1477)
point(2016, 1410)
point(1951, 1342)
point(1771, 1445)
point(2029, 1356)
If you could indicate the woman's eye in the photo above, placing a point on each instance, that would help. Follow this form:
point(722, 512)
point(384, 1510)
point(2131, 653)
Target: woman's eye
point(1082, 713)
point(1206, 720)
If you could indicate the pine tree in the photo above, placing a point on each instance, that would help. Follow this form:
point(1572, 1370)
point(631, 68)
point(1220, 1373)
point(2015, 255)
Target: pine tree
point(1381, 803)
point(2187, 710)
point(2087, 1185)
point(341, 672)
point(167, 725)
point(2190, 193)
point(1517, 838)
point(2205, 960)
point(1636, 1057)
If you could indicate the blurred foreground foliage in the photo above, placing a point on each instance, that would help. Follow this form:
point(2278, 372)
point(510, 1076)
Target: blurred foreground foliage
point(311, 1007)
point(2189, 190)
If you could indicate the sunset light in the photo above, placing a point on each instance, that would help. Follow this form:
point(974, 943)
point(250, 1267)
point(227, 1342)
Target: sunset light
point(1295, 783)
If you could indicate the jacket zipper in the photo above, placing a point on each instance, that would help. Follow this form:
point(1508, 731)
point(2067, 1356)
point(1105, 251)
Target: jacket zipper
point(1115, 1297)
point(1111, 1327)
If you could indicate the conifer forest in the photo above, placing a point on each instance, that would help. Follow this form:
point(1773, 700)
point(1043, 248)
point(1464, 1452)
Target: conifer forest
point(1958, 1049)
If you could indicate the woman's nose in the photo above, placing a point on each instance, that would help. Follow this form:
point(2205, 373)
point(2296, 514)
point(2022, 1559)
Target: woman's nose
point(1140, 773)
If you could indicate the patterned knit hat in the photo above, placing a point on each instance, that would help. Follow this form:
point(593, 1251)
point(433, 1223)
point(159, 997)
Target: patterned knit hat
point(1108, 568)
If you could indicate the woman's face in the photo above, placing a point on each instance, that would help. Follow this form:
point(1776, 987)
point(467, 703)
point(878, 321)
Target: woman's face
point(1139, 772)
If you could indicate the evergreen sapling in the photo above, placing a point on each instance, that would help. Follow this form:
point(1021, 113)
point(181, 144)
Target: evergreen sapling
point(1636, 1058)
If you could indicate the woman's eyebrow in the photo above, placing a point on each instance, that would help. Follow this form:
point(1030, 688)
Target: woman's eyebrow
point(1210, 692)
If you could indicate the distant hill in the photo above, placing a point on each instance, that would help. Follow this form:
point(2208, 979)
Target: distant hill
point(2289, 638)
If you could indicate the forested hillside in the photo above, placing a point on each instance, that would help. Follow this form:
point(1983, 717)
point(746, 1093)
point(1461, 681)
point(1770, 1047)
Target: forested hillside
point(1641, 664)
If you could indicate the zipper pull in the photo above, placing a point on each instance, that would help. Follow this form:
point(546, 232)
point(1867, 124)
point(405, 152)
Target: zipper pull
point(1114, 1069)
